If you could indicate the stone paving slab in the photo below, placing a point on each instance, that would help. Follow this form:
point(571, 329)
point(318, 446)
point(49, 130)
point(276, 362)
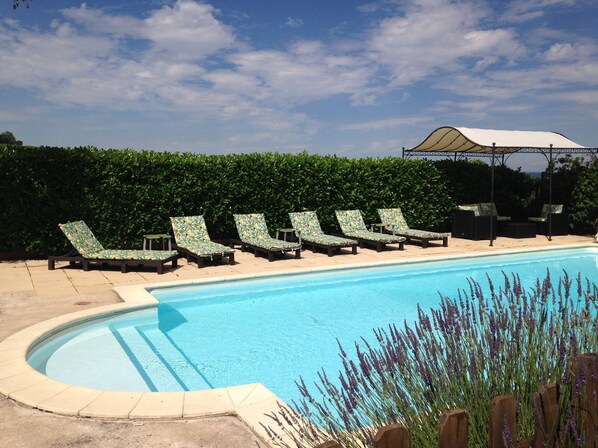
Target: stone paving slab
point(70, 289)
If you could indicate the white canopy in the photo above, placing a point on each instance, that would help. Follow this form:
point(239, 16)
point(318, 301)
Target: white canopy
point(450, 139)
point(491, 142)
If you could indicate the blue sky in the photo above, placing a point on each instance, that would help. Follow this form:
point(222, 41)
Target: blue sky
point(345, 77)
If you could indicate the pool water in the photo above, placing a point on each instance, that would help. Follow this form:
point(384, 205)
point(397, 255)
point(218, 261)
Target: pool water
point(271, 330)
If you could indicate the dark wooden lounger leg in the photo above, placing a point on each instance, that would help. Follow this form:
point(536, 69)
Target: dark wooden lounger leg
point(330, 249)
point(231, 259)
point(85, 265)
point(425, 243)
point(270, 256)
point(298, 253)
point(51, 264)
point(123, 268)
point(354, 249)
point(445, 241)
point(402, 245)
point(379, 247)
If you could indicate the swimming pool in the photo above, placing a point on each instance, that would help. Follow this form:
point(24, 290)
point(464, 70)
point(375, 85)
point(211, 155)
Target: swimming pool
point(269, 330)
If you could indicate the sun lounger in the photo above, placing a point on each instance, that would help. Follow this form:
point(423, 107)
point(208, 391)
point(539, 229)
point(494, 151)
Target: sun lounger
point(88, 251)
point(394, 222)
point(192, 240)
point(253, 233)
point(352, 225)
point(307, 225)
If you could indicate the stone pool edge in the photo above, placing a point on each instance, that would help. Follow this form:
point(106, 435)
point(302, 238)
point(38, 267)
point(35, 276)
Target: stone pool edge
point(20, 382)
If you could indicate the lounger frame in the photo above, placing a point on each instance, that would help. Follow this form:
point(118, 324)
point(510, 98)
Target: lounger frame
point(330, 248)
point(74, 258)
point(424, 241)
point(380, 246)
point(268, 252)
point(200, 259)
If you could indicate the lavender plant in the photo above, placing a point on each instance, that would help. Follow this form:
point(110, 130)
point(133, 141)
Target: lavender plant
point(461, 355)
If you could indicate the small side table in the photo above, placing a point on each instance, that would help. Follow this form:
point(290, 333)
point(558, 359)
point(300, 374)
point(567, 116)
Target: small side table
point(287, 232)
point(519, 230)
point(381, 227)
point(165, 237)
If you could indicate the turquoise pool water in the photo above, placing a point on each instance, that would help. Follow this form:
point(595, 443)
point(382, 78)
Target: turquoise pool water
point(271, 330)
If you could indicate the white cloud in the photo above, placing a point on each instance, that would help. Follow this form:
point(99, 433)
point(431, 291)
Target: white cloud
point(582, 96)
point(375, 125)
point(31, 59)
point(433, 36)
point(363, 99)
point(570, 51)
point(97, 21)
point(307, 71)
point(520, 11)
point(447, 57)
point(384, 148)
point(294, 22)
point(187, 31)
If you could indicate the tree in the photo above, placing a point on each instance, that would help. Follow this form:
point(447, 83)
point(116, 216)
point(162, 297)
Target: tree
point(16, 3)
point(8, 138)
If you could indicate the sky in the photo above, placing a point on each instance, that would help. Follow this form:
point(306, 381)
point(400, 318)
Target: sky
point(345, 77)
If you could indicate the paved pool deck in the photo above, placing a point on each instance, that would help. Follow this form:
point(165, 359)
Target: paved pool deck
point(38, 411)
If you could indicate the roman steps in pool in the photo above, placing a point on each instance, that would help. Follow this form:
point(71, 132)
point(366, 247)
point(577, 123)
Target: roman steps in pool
point(160, 363)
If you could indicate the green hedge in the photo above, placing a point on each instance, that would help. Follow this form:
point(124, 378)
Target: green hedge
point(123, 194)
point(583, 212)
point(470, 182)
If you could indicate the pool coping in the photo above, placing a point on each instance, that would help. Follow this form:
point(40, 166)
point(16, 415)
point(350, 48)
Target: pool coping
point(249, 402)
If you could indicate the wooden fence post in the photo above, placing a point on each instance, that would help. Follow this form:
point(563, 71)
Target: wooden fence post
point(452, 429)
point(392, 436)
point(502, 415)
point(547, 407)
point(585, 370)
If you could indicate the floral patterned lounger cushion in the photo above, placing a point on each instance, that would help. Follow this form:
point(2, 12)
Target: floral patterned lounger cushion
point(253, 230)
point(85, 242)
point(191, 233)
point(308, 225)
point(116, 254)
point(352, 225)
point(394, 221)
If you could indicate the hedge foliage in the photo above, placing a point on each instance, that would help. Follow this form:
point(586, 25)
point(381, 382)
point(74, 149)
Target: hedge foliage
point(584, 200)
point(123, 194)
point(470, 182)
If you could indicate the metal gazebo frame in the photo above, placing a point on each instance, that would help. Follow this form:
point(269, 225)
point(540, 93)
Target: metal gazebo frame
point(448, 140)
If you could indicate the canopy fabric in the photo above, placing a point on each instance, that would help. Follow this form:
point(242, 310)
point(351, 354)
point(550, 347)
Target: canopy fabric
point(451, 139)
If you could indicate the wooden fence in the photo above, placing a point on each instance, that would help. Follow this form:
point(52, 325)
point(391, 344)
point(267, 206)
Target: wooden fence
point(502, 415)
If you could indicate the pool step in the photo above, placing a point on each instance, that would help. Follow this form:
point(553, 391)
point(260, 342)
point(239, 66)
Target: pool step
point(159, 362)
point(149, 365)
point(188, 376)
